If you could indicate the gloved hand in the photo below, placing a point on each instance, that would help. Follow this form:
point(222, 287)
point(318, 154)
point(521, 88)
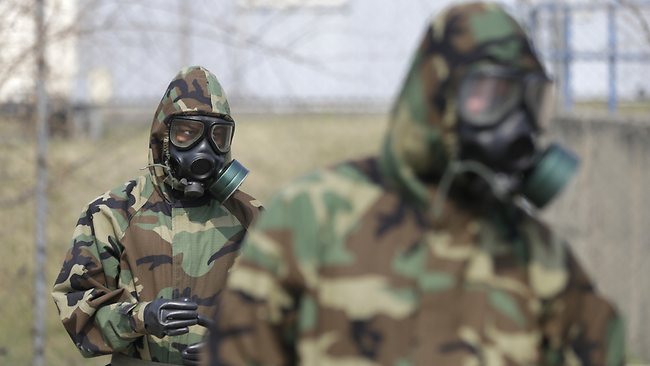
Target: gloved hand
point(191, 354)
point(170, 317)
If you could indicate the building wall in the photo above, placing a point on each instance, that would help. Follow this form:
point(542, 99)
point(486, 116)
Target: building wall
point(604, 213)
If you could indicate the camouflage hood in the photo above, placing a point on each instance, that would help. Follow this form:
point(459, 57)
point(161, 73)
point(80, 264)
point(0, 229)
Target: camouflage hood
point(194, 90)
point(422, 137)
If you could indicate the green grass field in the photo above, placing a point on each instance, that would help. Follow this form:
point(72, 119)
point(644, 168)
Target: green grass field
point(275, 148)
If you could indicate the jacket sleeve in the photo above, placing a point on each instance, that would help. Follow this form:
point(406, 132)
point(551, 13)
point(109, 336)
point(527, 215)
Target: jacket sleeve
point(589, 329)
point(256, 321)
point(99, 317)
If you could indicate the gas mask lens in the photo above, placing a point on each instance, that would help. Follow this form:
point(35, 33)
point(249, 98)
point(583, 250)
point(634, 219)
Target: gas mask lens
point(221, 135)
point(485, 98)
point(185, 132)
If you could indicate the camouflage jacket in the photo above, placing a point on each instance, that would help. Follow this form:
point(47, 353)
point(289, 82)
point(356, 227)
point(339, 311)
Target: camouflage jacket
point(350, 266)
point(137, 243)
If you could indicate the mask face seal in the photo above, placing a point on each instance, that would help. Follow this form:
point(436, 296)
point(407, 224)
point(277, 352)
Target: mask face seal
point(197, 151)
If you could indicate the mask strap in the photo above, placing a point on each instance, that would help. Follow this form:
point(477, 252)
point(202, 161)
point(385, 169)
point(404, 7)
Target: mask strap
point(164, 167)
point(169, 179)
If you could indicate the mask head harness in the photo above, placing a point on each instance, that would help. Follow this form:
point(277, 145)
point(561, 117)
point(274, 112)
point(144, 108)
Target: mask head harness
point(197, 153)
point(500, 115)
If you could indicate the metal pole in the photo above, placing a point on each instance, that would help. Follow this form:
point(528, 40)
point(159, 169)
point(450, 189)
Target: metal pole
point(533, 25)
point(40, 224)
point(567, 58)
point(612, 42)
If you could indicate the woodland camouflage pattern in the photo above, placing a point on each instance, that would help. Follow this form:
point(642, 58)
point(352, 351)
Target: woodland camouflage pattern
point(347, 266)
point(137, 243)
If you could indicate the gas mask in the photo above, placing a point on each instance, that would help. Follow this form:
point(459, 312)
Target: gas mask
point(501, 113)
point(198, 149)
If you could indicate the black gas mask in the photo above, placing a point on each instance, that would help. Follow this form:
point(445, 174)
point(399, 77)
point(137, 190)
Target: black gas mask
point(501, 113)
point(198, 149)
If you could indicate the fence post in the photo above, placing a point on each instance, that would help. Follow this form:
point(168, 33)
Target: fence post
point(40, 195)
point(567, 58)
point(533, 24)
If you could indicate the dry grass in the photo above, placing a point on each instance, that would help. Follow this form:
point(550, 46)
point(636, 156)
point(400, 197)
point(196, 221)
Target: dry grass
point(279, 148)
point(275, 149)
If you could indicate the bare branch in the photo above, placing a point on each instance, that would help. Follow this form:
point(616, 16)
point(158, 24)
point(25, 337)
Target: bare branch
point(637, 13)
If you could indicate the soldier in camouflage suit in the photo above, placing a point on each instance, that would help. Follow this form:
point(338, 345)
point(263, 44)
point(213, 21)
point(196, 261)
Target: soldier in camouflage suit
point(368, 263)
point(145, 243)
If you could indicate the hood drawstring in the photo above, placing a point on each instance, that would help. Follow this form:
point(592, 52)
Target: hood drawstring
point(169, 178)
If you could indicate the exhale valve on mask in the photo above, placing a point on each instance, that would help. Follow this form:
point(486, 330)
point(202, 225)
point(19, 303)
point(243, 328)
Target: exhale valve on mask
point(197, 156)
point(500, 115)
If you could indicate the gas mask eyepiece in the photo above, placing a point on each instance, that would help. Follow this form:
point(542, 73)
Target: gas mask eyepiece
point(186, 131)
point(198, 149)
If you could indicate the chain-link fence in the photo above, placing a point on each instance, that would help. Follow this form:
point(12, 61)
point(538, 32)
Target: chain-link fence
point(597, 51)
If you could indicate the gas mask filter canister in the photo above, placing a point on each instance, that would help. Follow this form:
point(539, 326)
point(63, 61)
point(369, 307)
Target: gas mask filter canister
point(552, 172)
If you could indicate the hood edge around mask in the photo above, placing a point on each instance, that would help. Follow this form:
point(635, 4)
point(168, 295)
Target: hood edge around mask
point(422, 130)
point(194, 90)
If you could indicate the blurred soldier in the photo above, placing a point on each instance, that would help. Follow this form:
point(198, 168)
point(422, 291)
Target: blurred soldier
point(429, 254)
point(149, 257)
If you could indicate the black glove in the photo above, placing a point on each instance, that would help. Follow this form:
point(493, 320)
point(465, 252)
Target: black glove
point(191, 354)
point(170, 317)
